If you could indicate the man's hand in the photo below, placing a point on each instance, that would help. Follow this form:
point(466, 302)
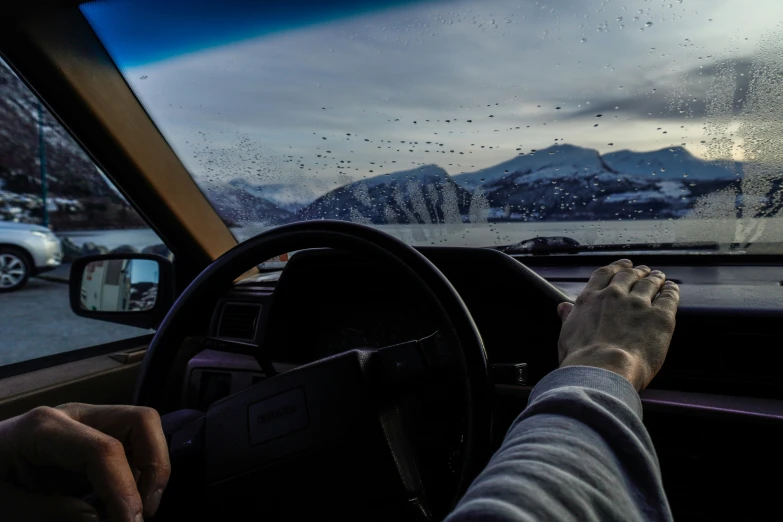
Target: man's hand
point(622, 321)
point(46, 454)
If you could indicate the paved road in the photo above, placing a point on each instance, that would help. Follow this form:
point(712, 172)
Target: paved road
point(38, 321)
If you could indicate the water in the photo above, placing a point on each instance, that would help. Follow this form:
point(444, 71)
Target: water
point(587, 232)
point(138, 238)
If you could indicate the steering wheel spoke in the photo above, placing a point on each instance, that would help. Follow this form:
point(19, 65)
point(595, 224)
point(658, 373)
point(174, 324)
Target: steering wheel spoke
point(237, 347)
point(402, 449)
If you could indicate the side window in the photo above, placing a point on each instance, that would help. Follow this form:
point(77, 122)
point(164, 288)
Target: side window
point(55, 206)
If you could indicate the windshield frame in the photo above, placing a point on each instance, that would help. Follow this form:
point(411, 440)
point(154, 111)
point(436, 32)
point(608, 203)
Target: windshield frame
point(58, 55)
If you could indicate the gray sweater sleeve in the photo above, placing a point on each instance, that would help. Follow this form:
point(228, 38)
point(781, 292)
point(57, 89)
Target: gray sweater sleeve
point(579, 451)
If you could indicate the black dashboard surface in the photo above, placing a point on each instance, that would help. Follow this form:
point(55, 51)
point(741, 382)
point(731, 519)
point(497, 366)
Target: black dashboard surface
point(727, 340)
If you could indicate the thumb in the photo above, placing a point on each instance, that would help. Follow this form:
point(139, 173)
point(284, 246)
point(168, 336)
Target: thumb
point(23, 506)
point(563, 309)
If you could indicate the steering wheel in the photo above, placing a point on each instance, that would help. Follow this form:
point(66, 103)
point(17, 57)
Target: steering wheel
point(335, 417)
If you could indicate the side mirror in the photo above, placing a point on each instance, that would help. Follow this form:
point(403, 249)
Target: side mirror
point(131, 289)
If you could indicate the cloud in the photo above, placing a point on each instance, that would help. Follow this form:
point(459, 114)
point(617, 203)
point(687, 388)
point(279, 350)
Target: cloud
point(682, 95)
point(460, 84)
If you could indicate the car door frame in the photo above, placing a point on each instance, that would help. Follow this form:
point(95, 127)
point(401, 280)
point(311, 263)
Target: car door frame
point(55, 52)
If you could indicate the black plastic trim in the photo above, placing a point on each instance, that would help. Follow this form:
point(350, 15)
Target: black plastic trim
point(670, 402)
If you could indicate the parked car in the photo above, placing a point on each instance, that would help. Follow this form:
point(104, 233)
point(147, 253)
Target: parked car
point(26, 250)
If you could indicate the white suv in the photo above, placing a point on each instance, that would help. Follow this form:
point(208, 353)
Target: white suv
point(26, 250)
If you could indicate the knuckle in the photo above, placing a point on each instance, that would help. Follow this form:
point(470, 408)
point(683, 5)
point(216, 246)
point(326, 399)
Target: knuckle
point(147, 415)
point(69, 407)
point(669, 325)
point(164, 470)
point(664, 318)
point(107, 447)
point(644, 284)
point(613, 291)
point(604, 271)
point(638, 302)
point(582, 298)
point(668, 296)
point(41, 415)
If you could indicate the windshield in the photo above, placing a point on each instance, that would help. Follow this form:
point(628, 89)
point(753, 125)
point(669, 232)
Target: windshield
point(471, 123)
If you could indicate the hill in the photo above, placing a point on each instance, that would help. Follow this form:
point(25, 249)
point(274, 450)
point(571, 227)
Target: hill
point(422, 195)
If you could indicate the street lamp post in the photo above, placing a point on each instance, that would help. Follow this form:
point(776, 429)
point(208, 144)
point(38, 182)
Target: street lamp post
point(42, 163)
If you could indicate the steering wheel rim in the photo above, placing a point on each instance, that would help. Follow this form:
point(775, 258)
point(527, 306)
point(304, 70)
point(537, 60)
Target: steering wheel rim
point(352, 237)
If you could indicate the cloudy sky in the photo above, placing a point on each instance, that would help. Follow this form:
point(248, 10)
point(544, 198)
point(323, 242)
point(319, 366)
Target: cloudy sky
point(318, 97)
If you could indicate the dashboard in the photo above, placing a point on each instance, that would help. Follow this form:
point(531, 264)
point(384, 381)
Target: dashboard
point(714, 412)
point(727, 339)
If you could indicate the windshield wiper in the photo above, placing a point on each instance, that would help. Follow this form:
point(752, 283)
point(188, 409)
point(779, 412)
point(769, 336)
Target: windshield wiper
point(545, 245)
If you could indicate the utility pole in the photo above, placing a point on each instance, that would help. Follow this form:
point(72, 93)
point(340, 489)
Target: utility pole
point(42, 163)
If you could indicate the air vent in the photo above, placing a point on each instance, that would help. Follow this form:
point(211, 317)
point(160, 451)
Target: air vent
point(239, 320)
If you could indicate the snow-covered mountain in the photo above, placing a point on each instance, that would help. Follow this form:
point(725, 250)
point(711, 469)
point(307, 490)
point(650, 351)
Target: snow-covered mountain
point(566, 182)
point(287, 196)
point(423, 195)
point(670, 163)
point(555, 161)
point(238, 206)
point(561, 182)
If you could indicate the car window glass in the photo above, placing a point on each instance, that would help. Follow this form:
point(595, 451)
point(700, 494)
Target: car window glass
point(471, 123)
point(55, 206)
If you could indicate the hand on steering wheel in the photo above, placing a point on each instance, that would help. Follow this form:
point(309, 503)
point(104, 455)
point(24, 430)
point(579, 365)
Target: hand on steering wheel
point(46, 454)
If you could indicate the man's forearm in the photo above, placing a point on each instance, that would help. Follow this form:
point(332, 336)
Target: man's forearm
point(579, 451)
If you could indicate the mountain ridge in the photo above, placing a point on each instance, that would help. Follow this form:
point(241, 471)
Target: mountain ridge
point(560, 182)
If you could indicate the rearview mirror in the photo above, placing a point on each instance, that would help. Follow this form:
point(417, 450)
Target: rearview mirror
point(131, 289)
